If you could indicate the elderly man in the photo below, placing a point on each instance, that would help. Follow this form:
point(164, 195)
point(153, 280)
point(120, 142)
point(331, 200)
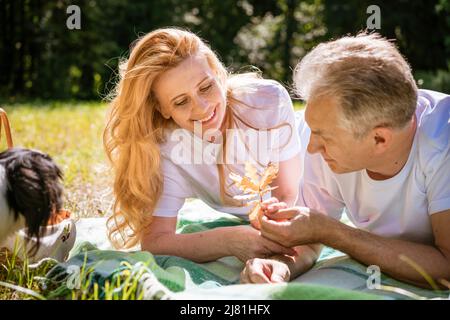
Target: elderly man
point(378, 147)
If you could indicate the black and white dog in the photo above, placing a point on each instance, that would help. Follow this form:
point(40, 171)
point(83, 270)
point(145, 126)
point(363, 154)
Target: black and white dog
point(30, 192)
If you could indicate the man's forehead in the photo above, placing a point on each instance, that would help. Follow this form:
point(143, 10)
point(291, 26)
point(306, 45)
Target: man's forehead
point(321, 114)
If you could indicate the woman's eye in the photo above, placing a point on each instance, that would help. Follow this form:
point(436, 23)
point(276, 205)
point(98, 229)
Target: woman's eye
point(206, 88)
point(180, 103)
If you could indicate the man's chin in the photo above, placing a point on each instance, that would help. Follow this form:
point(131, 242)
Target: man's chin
point(336, 169)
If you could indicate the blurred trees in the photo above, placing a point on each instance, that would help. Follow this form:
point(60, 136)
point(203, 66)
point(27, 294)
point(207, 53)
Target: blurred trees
point(41, 57)
point(421, 29)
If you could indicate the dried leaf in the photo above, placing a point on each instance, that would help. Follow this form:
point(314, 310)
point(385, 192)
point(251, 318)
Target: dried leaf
point(244, 183)
point(255, 216)
point(268, 176)
point(251, 203)
point(269, 189)
point(246, 197)
point(255, 187)
point(251, 173)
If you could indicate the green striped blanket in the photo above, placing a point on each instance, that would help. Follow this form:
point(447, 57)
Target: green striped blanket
point(335, 276)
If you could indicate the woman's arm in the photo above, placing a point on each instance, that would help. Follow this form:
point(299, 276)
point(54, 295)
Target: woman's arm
point(244, 242)
point(288, 181)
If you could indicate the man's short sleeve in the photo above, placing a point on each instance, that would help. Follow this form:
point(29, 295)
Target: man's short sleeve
point(434, 148)
point(438, 185)
point(318, 190)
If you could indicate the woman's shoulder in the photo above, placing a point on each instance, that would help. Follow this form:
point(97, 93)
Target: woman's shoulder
point(262, 103)
point(257, 92)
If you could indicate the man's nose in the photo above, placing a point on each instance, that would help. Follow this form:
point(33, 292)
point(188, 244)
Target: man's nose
point(314, 144)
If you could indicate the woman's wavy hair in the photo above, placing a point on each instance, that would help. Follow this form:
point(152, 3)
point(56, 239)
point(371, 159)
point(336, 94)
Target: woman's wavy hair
point(135, 128)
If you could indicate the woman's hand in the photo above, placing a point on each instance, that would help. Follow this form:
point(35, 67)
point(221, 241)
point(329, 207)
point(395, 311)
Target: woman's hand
point(293, 226)
point(246, 243)
point(272, 206)
point(265, 271)
point(267, 206)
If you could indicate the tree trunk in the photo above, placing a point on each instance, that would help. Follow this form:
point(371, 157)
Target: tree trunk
point(86, 82)
point(291, 25)
point(19, 74)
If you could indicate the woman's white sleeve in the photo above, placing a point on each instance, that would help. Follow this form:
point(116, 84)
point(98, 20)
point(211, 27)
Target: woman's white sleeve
point(287, 142)
point(175, 190)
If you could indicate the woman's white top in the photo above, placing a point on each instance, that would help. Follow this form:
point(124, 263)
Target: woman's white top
point(189, 164)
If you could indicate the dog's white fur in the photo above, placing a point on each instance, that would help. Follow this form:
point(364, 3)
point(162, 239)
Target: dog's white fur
point(8, 224)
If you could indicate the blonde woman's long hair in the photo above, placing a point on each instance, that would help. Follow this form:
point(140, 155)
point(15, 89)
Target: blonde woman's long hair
point(135, 128)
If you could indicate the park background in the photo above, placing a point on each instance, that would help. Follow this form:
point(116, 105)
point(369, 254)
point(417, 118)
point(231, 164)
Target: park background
point(41, 58)
point(54, 81)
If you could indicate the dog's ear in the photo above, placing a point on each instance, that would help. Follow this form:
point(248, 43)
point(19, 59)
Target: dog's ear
point(35, 190)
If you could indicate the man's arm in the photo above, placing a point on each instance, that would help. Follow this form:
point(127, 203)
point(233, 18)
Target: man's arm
point(306, 227)
point(388, 254)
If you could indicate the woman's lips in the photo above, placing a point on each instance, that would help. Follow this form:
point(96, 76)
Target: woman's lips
point(209, 119)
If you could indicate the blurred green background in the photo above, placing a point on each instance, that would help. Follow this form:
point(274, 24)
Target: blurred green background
point(53, 80)
point(41, 58)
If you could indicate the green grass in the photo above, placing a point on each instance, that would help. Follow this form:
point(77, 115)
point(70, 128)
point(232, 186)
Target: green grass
point(298, 105)
point(20, 280)
point(72, 134)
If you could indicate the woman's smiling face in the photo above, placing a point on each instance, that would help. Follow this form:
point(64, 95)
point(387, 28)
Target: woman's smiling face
point(191, 94)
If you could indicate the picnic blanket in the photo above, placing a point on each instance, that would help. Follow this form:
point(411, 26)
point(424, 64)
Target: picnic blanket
point(335, 276)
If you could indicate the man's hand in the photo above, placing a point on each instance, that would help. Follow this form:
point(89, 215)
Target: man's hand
point(247, 243)
point(265, 271)
point(291, 226)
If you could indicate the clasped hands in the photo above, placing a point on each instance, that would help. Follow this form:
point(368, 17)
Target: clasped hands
point(290, 227)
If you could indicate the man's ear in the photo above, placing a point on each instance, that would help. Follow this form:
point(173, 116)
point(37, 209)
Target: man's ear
point(382, 138)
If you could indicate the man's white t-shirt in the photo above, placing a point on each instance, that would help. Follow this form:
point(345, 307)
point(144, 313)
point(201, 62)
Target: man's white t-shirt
point(399, 207)
point(189, 164)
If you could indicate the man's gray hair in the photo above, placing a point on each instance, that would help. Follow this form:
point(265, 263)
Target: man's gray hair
point(372, 81)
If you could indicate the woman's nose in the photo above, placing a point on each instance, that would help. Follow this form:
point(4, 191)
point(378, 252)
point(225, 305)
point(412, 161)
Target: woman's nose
point(201, 104)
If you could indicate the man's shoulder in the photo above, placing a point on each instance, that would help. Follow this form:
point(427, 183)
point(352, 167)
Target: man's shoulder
point(433, 131)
